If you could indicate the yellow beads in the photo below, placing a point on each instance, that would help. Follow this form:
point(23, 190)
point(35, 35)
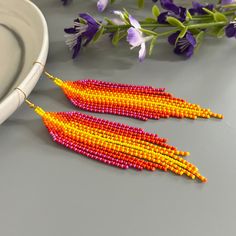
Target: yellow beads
point(145, 104)
point(126, 143)
point(118, 144)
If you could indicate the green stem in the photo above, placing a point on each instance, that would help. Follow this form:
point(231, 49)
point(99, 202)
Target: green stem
point(112, 28)
point(167, 33)
point(196, 26)
point(208, 17)
point(143, 25)
point(228, 13)
point(206, 25)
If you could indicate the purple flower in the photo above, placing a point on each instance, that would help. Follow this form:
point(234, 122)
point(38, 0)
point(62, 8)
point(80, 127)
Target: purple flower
point(227, 2)
point(83, 31)
point(120, 14)
point(230, 30)
point(198, 8)
point(102, 4)
point(170, 6)
point(181, 16)
point(172, 10)
point(136, 39)
point(183, 46)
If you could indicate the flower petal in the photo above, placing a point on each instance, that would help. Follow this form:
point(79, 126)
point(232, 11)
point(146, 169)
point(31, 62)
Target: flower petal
point(77, 47)
point(191, 39)
point(226, 2)
point(101, 5)
point(134, 37)
point(196, 5)
point(117, 21)
point(189, 52)
point(182, 14)
point(185, 45)
point(142, 52)
point(198, 8)
point(134, 22)
point(119, 13)
point(170, 6)
point(70, 30)
point(162, 18)
point(230, 30)
point(88, 18)
point(173, 37)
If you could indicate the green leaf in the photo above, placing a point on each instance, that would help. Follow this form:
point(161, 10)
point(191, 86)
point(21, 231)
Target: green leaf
point(195, 31)
point(116, 38)
point(98, 35)
point(208, 11)
point(150, 20)
point(200, 36)
point(183, 32)
point(140, 3)
point(213, 31)
point(110, 22)
point(199, 39)
point(218, 17)
point(189, 15)
point(122, 35)
point(175, 22)
point(217, 31)
point(126, 16)
point(155, 11)
point(152, 45)
point(221, 33)
point(228, 5)
point(112, 1)
point(125, 11)
point(149, 32)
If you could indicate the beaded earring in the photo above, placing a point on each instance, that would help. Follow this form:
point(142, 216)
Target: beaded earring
point(140, 102)
point(115, 144)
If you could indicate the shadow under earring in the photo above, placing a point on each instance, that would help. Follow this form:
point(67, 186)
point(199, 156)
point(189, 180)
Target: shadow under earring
point(140, 102)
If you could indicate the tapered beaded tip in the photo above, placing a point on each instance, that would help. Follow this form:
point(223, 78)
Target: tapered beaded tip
point(116, 144)
point(140, 102)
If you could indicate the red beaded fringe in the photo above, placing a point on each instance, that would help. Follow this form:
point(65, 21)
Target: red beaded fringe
point(116, 144)
point(141, 102)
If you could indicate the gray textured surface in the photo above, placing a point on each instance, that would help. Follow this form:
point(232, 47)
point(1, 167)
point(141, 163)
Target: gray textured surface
point(47, 190)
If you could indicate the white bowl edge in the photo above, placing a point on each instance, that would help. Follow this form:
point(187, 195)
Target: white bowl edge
point(10, 104)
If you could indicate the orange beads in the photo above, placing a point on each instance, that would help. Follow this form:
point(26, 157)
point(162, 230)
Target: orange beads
point(141, 102)
point(116, 144)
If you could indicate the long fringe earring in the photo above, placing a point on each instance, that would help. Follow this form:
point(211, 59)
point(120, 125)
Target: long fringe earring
point(115, 144)
point(140, 102)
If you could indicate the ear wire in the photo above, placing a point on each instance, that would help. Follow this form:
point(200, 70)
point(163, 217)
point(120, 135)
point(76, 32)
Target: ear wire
point(38, 109)
point(56, 80)
point(44, 71)
point(30, 104)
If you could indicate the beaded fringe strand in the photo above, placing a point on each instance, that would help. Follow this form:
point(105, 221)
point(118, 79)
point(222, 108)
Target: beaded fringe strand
point(140, 102)
point(116, 144)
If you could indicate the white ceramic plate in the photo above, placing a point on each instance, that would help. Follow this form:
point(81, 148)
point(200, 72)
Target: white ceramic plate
point(23, 41)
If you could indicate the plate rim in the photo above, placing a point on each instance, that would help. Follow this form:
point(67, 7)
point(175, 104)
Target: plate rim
point(15, 99)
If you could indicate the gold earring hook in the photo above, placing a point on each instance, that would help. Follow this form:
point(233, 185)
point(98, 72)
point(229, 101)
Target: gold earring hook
point(31, 105)
point(44, 71)
point(56, 80)
point(37, 109)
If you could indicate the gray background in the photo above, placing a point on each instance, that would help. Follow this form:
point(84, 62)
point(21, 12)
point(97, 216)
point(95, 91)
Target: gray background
point(48, 190)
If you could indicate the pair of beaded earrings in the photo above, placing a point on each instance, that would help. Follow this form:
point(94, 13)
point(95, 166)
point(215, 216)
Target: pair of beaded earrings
point(117, 144)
